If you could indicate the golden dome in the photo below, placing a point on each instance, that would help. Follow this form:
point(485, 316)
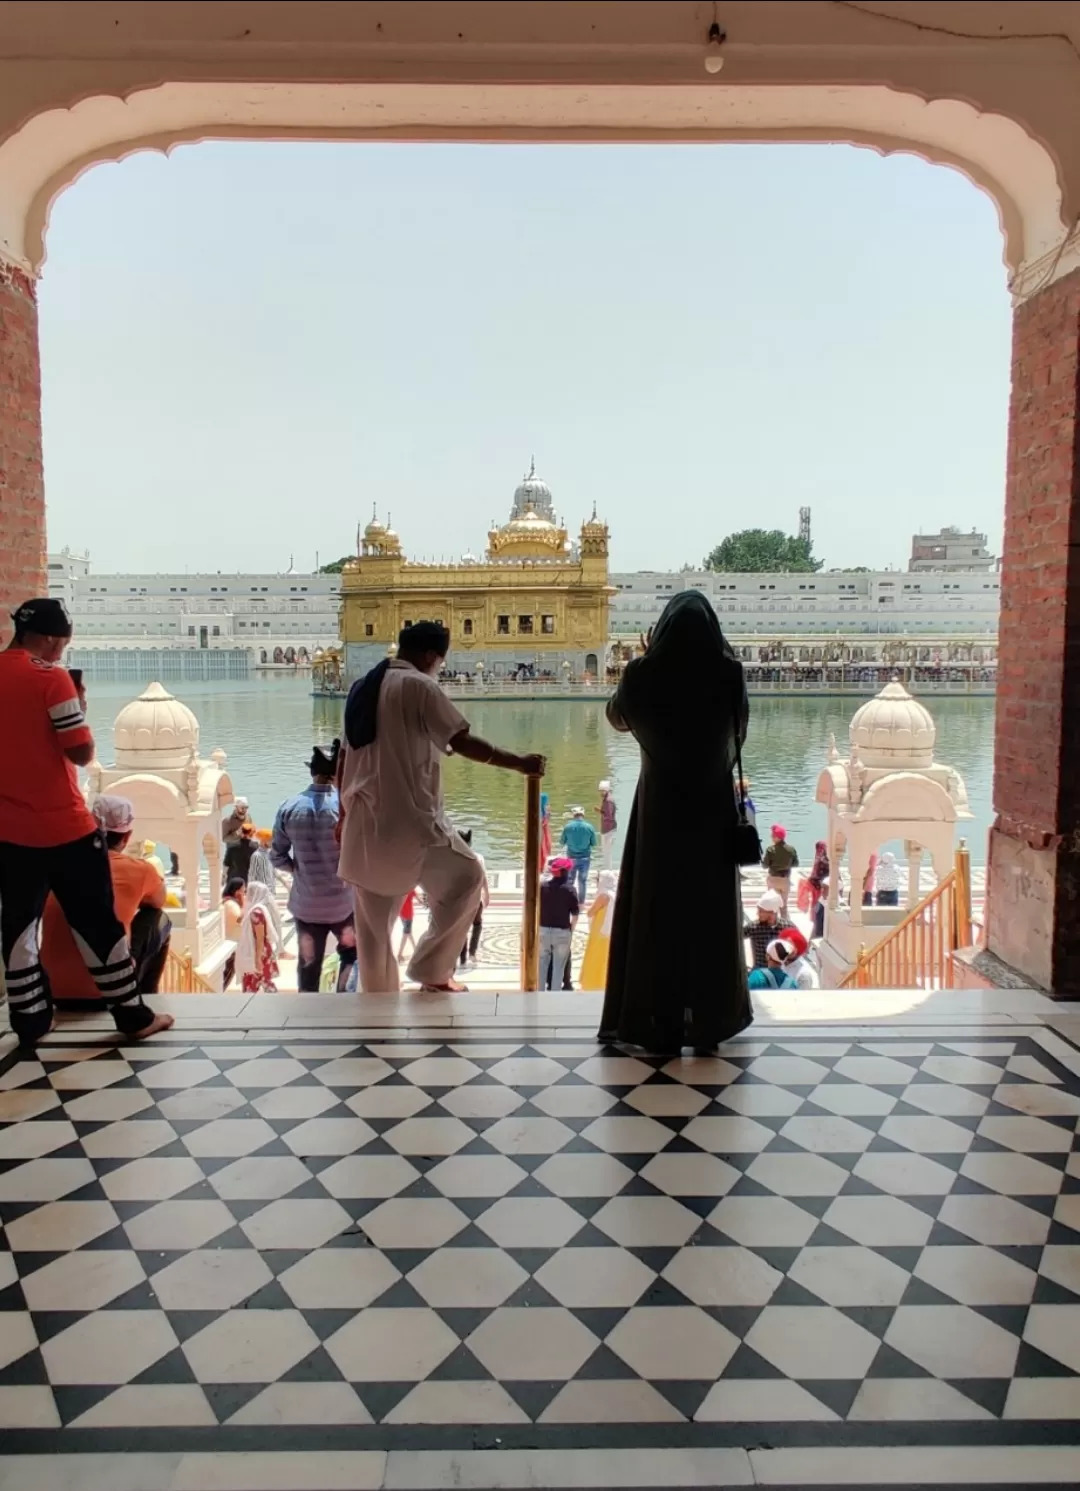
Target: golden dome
point(375, 531)
point(527, 536)
point(529, 525)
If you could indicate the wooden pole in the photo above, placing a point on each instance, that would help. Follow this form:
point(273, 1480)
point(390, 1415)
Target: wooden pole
point(530, 916)
point(962, 896)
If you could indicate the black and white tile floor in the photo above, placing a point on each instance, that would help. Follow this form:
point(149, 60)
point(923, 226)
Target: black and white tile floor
point(266, 1259)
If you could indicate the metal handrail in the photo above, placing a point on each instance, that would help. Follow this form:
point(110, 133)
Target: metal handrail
point(530, 915)
point(917, 952)
point(181, 977)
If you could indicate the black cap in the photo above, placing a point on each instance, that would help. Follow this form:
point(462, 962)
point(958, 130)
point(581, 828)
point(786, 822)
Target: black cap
point(324, 763)
point(46, 616)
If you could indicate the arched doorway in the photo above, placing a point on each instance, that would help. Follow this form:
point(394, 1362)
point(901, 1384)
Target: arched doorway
point(993, 98)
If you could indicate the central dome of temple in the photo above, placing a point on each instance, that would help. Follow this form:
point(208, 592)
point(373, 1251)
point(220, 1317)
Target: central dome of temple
point(532, 497)
point(155, 731)
point(893, 730)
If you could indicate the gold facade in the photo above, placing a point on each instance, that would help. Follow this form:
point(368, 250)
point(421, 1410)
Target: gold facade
point(533, 597)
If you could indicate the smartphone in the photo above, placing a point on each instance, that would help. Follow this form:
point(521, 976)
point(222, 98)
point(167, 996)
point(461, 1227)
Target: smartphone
point(76, 677)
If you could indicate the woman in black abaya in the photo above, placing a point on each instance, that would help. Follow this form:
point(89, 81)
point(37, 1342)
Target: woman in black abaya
point(683, 702)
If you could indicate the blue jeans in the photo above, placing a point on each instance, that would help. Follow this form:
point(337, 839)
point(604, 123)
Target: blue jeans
point(579, 875)
point(554, 944)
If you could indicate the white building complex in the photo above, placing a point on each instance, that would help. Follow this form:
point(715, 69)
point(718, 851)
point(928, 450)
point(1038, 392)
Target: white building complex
point(885, 602)
point(243, 620)
point(127, 624)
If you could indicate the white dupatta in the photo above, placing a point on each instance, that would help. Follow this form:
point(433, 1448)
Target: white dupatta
point(259, 898)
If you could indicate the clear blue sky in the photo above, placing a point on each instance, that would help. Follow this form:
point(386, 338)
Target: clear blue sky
point(246, 345)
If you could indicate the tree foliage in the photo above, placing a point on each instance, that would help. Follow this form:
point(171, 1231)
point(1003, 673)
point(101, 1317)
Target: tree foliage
point(337, 566)
point(764, 550)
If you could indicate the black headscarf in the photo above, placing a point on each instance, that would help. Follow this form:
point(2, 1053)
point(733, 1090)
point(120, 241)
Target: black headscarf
point(362, 706)
point(687, 638)
point(689, 674)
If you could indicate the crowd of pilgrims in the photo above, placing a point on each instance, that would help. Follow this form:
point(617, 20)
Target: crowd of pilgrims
point(369, 835)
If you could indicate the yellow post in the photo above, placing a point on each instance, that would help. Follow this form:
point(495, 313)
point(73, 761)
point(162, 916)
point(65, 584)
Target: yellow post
point(530, 916)
point(962, 896)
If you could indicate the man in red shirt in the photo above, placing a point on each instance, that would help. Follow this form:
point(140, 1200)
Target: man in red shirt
point(49, 840)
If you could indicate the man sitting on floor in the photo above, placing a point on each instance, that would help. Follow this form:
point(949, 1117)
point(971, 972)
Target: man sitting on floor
point(138, 896)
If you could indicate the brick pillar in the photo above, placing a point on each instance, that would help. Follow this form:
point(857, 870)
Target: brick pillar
point(1034, 863)
point(22, 489)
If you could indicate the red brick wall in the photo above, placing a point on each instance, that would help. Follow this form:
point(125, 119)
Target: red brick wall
point(1035, 844)
point(22, 490)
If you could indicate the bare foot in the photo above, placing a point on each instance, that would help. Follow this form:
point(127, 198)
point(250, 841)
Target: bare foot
point(450, 987)
point(156, 1026)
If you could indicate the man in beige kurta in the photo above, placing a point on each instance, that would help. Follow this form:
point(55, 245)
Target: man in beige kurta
point(395, 834)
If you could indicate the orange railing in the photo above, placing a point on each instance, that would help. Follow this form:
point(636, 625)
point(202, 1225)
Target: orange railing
point(917, 952)
point(180, 976)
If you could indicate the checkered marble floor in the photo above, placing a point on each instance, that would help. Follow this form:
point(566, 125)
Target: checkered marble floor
point(304, 1247)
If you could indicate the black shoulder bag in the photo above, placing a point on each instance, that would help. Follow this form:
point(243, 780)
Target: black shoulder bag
point(747, 838)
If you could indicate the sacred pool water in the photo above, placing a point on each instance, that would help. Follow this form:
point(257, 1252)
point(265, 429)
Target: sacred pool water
point(267, 729)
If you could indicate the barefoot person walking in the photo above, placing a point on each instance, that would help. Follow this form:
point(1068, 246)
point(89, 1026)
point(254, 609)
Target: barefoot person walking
point(394, 831)
point(49, 839)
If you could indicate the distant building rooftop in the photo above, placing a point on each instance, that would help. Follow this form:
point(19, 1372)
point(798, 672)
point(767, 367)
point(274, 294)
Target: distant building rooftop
point(950, 549)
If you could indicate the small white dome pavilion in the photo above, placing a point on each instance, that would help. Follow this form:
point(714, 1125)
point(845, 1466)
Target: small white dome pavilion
point(155, 730)
point(179, 799)
point(888, 788)
point(893, 731)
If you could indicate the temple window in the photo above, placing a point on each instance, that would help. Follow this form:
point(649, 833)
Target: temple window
point(525, 624)
point(547, 625)
point(466, 626)
point(502, 626)
point(369, 630)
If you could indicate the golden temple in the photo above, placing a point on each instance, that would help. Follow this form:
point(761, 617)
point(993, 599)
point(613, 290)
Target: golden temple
point(535, 605)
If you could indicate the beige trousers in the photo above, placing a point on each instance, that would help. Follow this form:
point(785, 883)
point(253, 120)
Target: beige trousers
point(452, 882)
point(782, 885)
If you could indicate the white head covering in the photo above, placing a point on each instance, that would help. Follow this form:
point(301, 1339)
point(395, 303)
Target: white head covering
point(605, 886)
point(888, 858)
point(778, 950)
point(258, 897)
point(605, 786)
point(116, 815)
point(772, 900)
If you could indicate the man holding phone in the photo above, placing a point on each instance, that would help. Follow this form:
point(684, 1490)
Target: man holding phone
point(49, 839)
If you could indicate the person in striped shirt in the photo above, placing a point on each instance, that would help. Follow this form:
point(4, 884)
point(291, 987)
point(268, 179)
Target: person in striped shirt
point(304, 845)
